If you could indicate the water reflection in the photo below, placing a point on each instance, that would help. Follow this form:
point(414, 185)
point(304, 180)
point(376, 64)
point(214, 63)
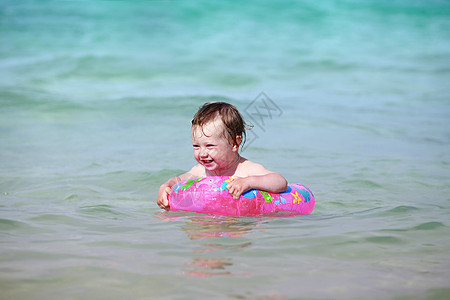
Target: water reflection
point(206, 227)
point(208, 267)
point(225, 231)
point(215, 258)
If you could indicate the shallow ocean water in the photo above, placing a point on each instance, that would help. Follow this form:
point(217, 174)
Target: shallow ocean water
point(95, 103)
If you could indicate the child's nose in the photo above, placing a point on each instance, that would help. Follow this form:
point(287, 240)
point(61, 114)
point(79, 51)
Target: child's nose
point(203, 153)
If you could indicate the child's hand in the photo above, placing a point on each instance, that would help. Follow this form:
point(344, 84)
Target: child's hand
point(237, 186)
point(163, 197)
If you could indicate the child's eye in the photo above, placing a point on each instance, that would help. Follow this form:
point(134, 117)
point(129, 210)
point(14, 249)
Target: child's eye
point(195, 146)
point(210, 145)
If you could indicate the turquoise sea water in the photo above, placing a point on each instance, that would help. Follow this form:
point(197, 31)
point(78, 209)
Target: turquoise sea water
point(95, 103)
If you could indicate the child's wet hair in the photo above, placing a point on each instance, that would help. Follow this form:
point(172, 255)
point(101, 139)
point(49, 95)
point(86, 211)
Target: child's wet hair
point(234, 123)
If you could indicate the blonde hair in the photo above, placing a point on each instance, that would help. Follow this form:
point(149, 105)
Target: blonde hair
point(234, 123)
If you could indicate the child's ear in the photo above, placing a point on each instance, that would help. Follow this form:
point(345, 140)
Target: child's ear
point(238, 143)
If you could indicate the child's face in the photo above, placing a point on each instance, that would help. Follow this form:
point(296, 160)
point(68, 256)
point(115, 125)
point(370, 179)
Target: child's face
point(211, 148)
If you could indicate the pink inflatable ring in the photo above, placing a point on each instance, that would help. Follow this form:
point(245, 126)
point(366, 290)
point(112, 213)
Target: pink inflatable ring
point(209, 195)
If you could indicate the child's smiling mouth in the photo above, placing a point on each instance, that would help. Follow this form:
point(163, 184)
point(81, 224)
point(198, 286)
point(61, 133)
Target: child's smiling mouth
point(207, 161)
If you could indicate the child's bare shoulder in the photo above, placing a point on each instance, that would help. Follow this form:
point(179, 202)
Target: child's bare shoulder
point(249, 168)
point(197, 171)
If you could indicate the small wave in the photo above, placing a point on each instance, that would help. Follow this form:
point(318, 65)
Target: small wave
point(364, 183)
point(429, 226)
point(101, 210)
point(6, 224)
point(402, 209)
point(55, 219)
point(71, 197)
point(235, 80)
point(387, 239)
point(325, 64)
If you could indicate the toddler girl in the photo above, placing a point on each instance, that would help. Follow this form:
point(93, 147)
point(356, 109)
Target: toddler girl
point(218, 131)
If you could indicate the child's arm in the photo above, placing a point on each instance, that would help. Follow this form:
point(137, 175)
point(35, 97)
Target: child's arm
point(165, 188)
point(164, 191)
point(271, 182)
